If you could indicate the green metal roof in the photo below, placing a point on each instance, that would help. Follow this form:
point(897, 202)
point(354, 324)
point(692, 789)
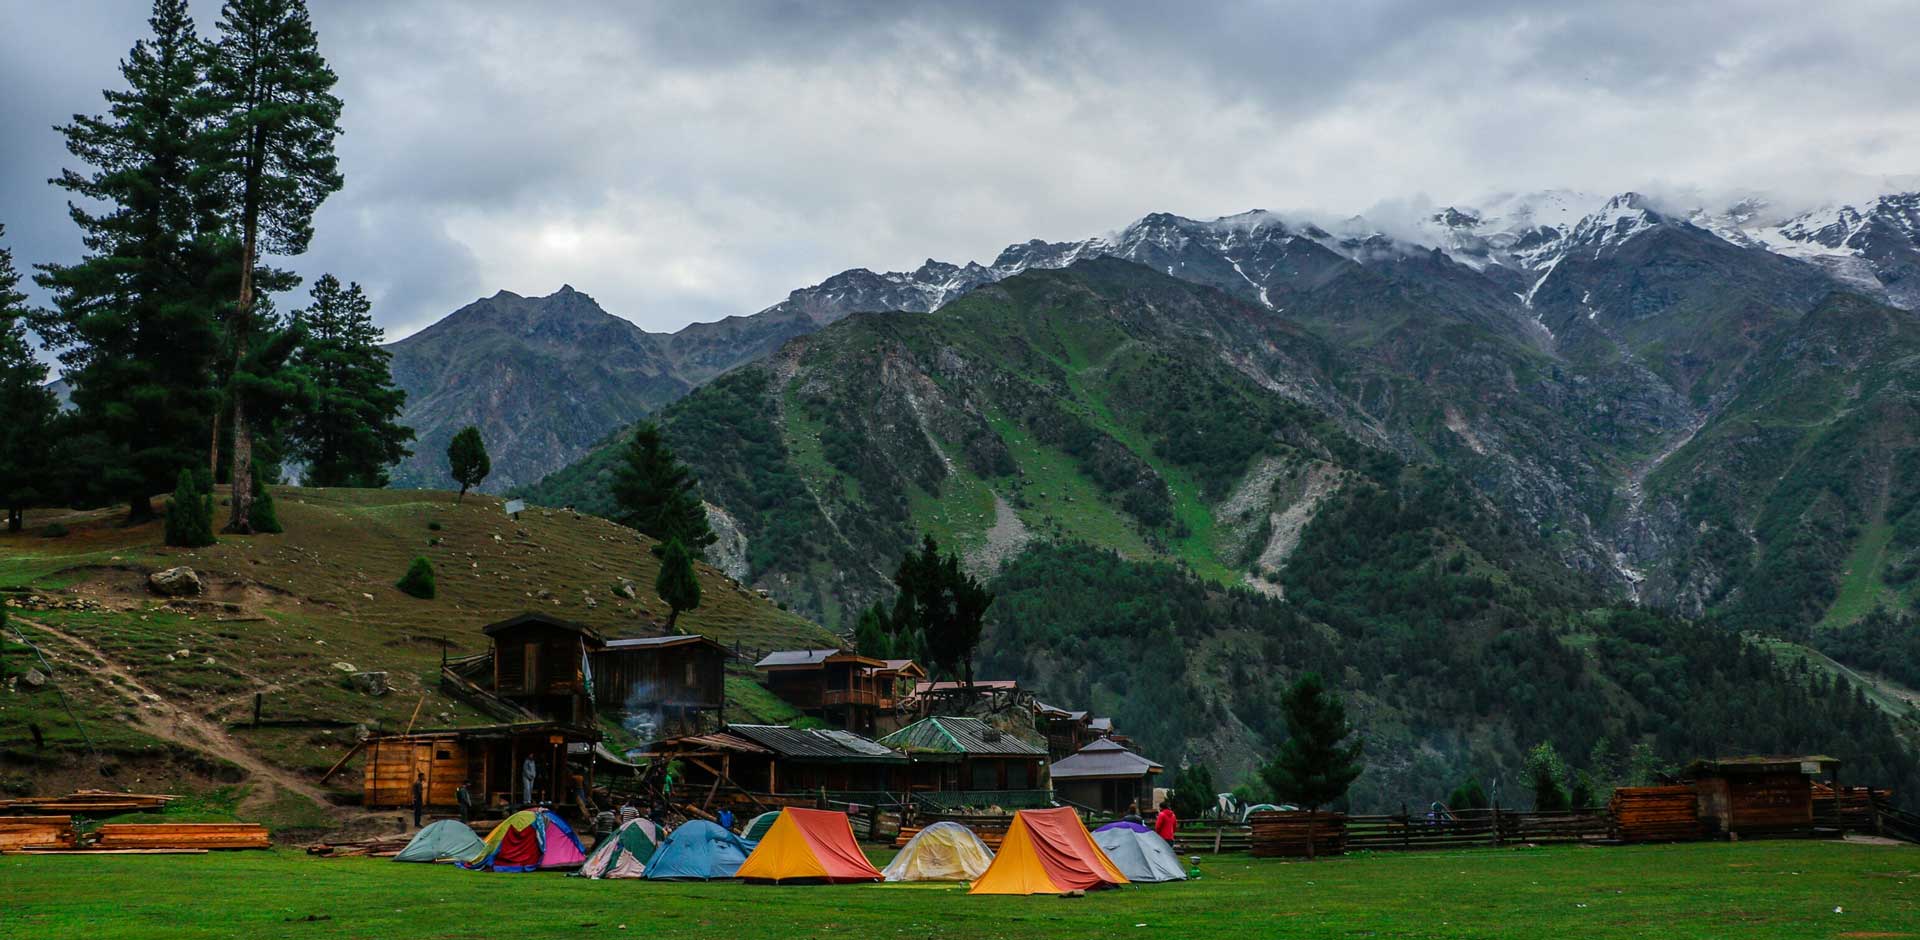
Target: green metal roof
point(944, 734)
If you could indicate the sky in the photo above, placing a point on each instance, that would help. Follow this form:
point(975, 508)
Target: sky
point(687, 161)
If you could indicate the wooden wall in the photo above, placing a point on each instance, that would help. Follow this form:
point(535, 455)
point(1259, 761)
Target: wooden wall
point(683, 676)
point(391, 763)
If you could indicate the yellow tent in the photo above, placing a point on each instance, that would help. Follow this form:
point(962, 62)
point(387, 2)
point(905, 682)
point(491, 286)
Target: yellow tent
point(808, 845)
point(1047, 851)
point(944, 851)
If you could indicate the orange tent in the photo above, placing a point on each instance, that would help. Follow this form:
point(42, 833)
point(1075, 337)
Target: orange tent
point(1047, 851)
point(808, 845)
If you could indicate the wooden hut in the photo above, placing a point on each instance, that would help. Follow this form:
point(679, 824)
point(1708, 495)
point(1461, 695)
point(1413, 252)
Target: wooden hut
point(540, 664)
point(489, 758)
point(1105, 776)
point(950, 753)
point(1757, 796)
point(839, 687)
point(677, 679)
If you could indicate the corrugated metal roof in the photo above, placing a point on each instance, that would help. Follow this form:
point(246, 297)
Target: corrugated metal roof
point(663, 642)
point(822, 744)
point(1100, 724)
point(794, 658)
point(1102, 758)
point(942, 734)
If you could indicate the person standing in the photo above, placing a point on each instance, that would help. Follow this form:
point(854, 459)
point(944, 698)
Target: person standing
point(628, 811)
point(1165, 824)
point(726, 819)
point(464, 796)
point(419, 797)
point(528, 772)
point(1133, 814)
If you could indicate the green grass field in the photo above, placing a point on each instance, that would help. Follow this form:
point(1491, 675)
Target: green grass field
point(1755, 889)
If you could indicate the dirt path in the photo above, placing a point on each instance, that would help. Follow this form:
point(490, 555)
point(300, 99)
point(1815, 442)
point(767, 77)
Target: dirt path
point(156, 716)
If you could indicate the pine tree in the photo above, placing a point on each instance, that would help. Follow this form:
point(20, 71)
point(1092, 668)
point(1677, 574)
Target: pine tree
point(467, 460)
point(273, 148)
point(27, 431)
point(275, 390)
point(1193, 791)
point(872, 635)
point(350, 435)
point(136, 324)
point(1313, 766)
point(264, 518)
point(189, 514)
point(677, 584)
point(1545, 771)
point(940, 611)
point(418, 581)
point(657, 494)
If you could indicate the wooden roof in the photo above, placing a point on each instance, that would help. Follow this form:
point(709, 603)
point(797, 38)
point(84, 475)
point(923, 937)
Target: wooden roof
point(537, 619)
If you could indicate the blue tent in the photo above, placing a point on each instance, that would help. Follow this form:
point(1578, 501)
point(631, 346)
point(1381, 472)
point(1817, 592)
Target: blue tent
point(699, 850)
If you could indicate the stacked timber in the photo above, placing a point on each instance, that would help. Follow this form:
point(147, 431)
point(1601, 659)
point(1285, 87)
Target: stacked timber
point(377, 848)
point(21, 832)
point(88, 803)
point(1656, 814)
point(182, 836)
point(1851, 809)
point(1284, 834)
point(991, 836)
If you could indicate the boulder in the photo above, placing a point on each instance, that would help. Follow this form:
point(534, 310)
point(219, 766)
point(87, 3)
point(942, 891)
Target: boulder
point(175, 582)
point(34, 678)
point(626, 590)
point(369, 683)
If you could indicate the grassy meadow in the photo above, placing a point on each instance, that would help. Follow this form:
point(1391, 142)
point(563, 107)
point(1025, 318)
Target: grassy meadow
point(1783, 889)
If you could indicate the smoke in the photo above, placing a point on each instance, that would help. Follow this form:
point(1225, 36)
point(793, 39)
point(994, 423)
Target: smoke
point(641, 714)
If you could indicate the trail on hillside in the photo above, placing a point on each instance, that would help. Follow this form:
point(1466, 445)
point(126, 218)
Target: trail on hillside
point(154, 715)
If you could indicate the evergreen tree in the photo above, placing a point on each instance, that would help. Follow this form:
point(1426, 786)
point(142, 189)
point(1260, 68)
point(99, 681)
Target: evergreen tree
point(136, 322)
point(418, 581)
point(940, 611)
point(467, 460)
point(275, 119)
point(350, 434)
point(1468, 795)
point(656, 493)
point(1545, 771)
point(189, 514)
point(677, 584)
point(264, 518)
point(1193, 793)
point(1313, 767)
point(872, 635)
point(27, 430)
point(276, 392)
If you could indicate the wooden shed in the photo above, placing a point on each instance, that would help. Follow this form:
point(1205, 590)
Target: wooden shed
point(1750, 796)
point(540, 662)
point(676, 678)
point(489, 758)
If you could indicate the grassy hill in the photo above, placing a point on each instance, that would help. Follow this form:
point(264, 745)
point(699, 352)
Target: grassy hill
point(158, 687)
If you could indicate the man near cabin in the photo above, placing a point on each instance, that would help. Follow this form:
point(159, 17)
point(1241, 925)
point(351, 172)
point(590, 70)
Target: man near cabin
point(419, 797)
point(529, 771)
point(465, 797)
point(1166, 824)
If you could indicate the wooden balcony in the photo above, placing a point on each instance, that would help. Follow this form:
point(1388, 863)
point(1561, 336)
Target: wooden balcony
point(861, 698)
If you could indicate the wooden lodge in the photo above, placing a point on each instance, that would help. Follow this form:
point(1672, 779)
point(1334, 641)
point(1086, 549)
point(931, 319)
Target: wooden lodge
point(841, 688)
point(1757, 796)
point(1105, 777)
point(1066, 731)
point(774, 760)
point(490, 759)
point(540, 663)
point(950, 754)
point(679, 679)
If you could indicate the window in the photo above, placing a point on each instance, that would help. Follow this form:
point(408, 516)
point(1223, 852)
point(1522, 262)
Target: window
point(1017, 776)
point(986, 775)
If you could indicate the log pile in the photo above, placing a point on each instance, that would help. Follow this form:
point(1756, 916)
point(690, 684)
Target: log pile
point(376, 848)
point(1656, 814)
point(88, 803)
point(182, 836)
point(21, 832)
point(1284, 834)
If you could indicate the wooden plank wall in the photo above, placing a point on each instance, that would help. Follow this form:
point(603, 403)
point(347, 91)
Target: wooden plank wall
point(391, 763)
point(1656, 814)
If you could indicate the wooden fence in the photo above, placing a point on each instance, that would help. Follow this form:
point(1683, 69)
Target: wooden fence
point(1285, 833)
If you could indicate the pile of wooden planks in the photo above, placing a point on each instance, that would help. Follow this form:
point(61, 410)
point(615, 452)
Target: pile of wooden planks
point(377, 848)
point(1284, 834)
point(22, 832)
point(88, 803)
point(1656, 814)
point(182, 836)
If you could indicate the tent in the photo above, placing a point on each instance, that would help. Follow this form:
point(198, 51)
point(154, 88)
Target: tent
point(809, 845)
point(445, 840)
point(1047, 851)
point(1121, 824)
point(698, 850)
point(625, 853)
point(1264, 808)
point(526, 841)
point(757, 826)
point(944, 851)
point(1139, 853)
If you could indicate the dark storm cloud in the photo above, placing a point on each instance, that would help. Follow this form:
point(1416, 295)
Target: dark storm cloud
point(689, 161)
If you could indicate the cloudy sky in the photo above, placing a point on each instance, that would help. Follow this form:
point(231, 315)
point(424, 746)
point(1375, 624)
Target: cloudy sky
point(688, 161)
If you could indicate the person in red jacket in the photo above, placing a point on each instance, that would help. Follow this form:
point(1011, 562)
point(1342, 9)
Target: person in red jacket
point(1166, 823)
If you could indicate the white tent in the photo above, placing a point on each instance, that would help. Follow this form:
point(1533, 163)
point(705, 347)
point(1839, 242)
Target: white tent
point(944, 851)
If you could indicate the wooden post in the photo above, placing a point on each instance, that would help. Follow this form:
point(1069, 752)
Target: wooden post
point(1496, 823)
point(256, 709)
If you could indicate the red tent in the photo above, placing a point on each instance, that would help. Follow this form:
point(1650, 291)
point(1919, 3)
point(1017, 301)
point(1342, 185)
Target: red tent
point(810, 845)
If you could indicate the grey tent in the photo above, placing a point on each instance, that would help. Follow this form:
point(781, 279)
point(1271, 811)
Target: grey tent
point(1140, 854)
point(448, 839)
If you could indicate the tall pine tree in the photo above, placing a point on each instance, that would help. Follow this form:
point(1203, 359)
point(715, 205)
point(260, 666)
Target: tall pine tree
point(657, 494)
point(136, 322)
point(275, 122)
point(26, 431)
point(1314, 766)
point(351, 434)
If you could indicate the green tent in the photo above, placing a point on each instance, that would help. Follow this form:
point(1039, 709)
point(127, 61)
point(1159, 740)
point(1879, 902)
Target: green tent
point(757, 826)
point(625, 853)
point(445, 840)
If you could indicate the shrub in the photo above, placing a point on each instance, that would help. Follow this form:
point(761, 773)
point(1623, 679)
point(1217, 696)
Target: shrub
point(54, 530)
point(433, 526)
point(418, 580)
point(189, 514)
point(261, 515)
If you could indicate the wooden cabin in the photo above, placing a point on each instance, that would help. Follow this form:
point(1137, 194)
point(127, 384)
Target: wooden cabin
point(773, 760)
point(539, 663)
point(677, 679)
point(838, 687)
point(489, 759)
point(953, 754)
point(1757, 796)
point(1105, 777)
point(1066, 730)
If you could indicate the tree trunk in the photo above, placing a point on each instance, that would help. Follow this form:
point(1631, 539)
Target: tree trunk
point(463, 494)
point(241, 520)
point(14, 518)
point(673, 614)
point(213, 450)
